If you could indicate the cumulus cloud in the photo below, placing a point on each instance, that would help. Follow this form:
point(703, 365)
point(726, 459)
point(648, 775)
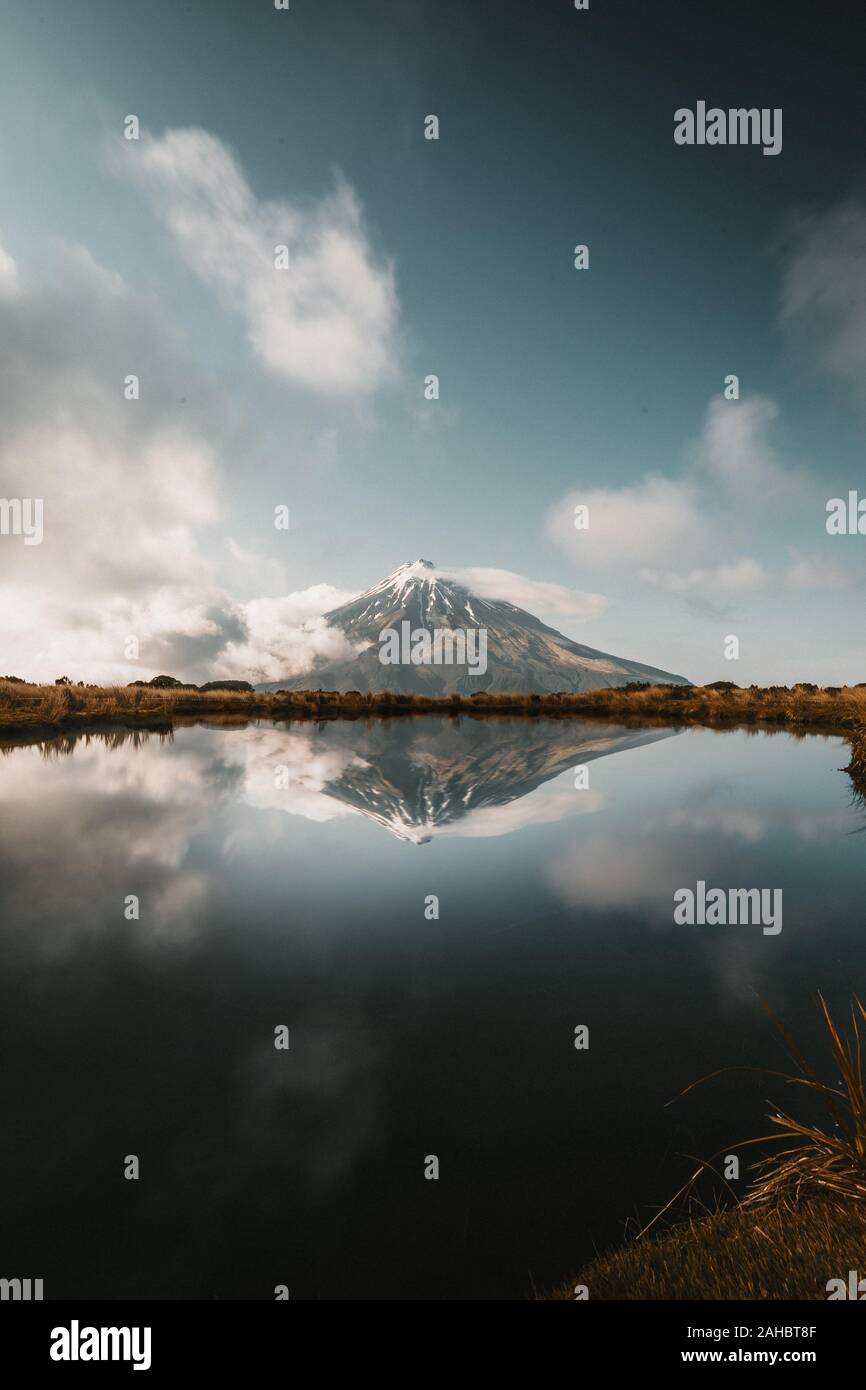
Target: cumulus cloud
point(735, 448)
point(328, 322)
point(686, 534)
point(285, 637)
point(632, 526)
point(129, 487)
point(131, 493)
point(538, 596)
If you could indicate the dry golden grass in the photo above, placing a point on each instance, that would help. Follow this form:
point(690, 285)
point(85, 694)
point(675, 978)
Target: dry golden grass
point(802, 1221)
point(857, 765)
point(800, 707)
point(32, 712)
point(785, 1251)
point(827, 1162)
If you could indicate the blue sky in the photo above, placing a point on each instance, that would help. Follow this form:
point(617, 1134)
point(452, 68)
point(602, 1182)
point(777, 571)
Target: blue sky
point(412, 257)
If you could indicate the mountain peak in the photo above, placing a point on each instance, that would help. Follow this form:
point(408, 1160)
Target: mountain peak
point(414, 565)
point(403, 575)
point(523, 653)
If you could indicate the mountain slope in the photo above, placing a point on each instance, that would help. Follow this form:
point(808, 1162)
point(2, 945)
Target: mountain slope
point(523, 653)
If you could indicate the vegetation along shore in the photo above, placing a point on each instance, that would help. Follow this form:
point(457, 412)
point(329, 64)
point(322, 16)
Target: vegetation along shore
point(799, 1231)
point(28, 710)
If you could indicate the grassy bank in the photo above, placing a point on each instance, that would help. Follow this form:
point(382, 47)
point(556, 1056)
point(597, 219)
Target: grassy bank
point(802, 1220)
point(832, 710)
point(34, 712)
point(786, 1251)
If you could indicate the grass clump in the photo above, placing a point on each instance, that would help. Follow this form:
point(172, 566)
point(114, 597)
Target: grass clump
point(829, 1161)
point(787, 1251)
point(802, 1222)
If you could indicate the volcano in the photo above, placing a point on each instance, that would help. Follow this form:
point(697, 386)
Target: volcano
point(523, 654)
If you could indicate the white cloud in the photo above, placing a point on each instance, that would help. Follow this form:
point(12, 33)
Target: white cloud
point(130, 490)
point(283, 637)
point(632, 527)
point(128, 487)
point(686, 535)
point(328, 322)
point(537, 596)
point(740, 577)
point(735, 449)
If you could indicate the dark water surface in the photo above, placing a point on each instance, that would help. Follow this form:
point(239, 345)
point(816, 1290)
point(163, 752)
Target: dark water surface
point(282, 875)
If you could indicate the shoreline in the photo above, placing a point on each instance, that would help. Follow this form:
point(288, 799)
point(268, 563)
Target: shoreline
point(832, 710)
point(39, 713)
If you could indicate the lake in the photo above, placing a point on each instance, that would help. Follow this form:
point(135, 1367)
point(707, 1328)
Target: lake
point(285, 877)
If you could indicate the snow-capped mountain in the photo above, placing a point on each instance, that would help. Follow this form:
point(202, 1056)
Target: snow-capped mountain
point(522, 653)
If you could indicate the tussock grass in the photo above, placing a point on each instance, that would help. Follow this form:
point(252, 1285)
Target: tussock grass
point(719, 705)
point(828, 1162)
point(786, 1251)
point(802, 1221)
point(32, 712)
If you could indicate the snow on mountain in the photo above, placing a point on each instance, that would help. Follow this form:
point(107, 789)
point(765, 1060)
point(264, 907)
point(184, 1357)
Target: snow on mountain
point(523, 653)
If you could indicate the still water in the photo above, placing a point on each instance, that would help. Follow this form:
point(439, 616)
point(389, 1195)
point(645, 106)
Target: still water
point(282, 875)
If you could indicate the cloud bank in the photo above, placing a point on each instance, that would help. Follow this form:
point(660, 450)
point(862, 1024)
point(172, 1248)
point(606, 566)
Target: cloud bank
point(129, 487)
point(131, 493)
